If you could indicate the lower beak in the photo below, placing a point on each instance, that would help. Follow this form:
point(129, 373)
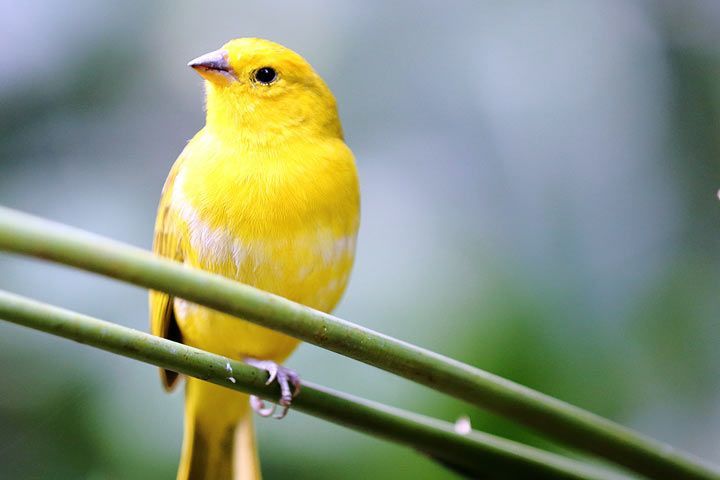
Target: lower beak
point(214, 67)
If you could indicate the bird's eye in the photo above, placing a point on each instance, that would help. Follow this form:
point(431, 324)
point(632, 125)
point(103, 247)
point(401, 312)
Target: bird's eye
point(265, 75)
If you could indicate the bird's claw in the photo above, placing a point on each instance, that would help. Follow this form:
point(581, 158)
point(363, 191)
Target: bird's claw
point(258, 405)
point(285, 377)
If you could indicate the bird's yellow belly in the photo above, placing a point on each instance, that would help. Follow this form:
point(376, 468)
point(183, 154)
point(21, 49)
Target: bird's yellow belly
point(309, 265)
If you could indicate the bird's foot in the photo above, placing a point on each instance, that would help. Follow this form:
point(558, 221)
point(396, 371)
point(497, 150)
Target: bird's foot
point(285, 378)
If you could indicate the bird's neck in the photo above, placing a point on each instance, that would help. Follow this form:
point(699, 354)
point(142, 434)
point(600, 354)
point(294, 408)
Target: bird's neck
point(261, 123)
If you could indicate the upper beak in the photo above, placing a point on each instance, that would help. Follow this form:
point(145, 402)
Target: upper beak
point(213, 66)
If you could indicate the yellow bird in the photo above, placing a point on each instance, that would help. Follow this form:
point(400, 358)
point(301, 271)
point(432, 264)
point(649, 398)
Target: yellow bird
point(266, 194)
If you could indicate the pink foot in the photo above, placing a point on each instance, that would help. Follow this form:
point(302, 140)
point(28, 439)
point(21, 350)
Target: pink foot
point(285, 377)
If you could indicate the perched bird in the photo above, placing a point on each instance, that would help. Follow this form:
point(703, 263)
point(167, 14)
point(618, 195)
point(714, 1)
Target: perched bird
point(266, 194)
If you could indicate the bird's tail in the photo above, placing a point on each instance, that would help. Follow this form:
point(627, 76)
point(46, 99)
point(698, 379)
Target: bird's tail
point(219, 439)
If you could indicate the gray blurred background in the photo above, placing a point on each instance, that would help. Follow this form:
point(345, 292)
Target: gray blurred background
point(538, 184)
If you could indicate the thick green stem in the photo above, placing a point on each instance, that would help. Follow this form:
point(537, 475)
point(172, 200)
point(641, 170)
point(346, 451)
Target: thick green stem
point(475, 452)
point(578, 428)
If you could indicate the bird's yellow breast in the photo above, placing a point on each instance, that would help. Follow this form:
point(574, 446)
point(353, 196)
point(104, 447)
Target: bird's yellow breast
point(283, 219)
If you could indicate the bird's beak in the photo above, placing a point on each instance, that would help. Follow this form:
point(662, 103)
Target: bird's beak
point(214, 67)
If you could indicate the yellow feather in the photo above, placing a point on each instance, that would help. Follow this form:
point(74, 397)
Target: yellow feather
point(266, 194)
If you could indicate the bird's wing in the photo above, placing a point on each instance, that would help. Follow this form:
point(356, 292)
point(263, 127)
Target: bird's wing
point(167, 242)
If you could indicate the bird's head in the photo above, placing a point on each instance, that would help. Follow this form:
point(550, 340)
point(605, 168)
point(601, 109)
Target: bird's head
point(260, 87)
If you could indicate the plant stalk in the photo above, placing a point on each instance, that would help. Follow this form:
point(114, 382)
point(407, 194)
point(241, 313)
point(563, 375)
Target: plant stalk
point(578, 428)
point(478, 453)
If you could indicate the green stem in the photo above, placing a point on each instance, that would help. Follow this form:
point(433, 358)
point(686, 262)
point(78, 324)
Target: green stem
point(22, 233)
point(475, 452)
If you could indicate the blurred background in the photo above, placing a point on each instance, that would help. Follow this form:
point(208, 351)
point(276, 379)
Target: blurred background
point(539, 199)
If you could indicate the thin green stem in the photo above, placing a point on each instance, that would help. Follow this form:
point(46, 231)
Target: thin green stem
point(475, 452)
point(578, 428)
